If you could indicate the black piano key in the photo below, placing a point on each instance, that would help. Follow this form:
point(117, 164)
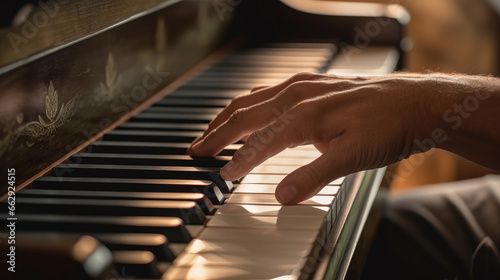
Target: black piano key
point(173, 228)
point(227, 94)
point(208, 188)
point(275, 57)
point(251, 82)
point(146, 172)
point(156, 243)
point(172, 118)
point(163, 126)
point(191, 102)
point(309, 49)
point(218, 75)
point(261, 69)
point(138, 159)
point(209, 84)
point(151, 136)
point(155, 148)
point(136, 264)
point(200, 199)
point(291, 49)
point(188, 211)
point(242, 63)
point(182, 110)
point(233, 83)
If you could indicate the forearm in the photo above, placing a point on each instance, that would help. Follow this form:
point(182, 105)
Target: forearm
point(467, 120)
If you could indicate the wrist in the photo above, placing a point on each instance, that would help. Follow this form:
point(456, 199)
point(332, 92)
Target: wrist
point(458, 113)
point(442, 102)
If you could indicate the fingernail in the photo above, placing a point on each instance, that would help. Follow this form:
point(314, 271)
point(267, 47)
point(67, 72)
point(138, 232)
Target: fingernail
point(286, 194)
point(227, 170)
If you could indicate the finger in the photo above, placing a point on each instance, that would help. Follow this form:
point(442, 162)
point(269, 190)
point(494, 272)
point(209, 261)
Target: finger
point(257, 96)
point(246, 121)
point(260, 146)
point(309, 179)
point(241, 123)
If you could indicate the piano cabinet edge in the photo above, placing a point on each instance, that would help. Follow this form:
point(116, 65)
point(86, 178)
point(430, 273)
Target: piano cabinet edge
point(364, 199)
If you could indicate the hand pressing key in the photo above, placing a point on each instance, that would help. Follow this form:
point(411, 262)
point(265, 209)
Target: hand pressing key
point(356, 123)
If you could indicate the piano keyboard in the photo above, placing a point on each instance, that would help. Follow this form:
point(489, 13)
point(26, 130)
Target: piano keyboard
point(165, 215)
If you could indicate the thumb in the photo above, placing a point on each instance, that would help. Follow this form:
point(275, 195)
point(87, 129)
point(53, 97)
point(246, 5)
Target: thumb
point(309, 179)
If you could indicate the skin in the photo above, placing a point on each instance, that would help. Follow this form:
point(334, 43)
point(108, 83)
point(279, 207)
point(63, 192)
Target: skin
point(357, 124)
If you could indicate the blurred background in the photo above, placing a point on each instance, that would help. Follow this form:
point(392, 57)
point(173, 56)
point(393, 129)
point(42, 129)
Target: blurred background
point(450, 36)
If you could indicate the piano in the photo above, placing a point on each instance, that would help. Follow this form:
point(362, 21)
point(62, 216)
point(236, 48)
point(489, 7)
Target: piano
point(100, 100)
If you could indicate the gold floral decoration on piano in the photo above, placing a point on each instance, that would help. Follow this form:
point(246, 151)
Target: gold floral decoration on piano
point(109, 88)
point(46, 126)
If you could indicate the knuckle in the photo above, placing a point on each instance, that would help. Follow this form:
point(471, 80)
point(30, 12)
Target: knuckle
point(238, 116)
point(252, 139)
point(255, 141)
point(301, 85)
point(297, 91)
point(343, 83)
point(304, 76)
point(258, 135)
point(235, 104)
point(236, 101)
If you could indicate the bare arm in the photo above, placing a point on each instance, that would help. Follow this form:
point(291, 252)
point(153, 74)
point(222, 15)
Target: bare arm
point(357, 124)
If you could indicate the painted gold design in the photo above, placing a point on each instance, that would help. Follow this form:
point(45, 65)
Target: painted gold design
point(46, 126)
point(109, 88)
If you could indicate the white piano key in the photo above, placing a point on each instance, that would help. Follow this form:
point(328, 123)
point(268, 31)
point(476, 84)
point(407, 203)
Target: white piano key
point(223, 272)
point(298, 153)
point(264, 235)
point(372, 61)
point(268, 222)
point(275, 179)
point(257, 258)
point(273, 169)
point(253, 246)
point(330, 190)
point(178, 248)
point(318, 200)
point(271, 188)
point(273, 210)
point(287, 161)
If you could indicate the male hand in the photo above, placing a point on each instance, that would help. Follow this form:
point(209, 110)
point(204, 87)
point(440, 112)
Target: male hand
point(356, 123)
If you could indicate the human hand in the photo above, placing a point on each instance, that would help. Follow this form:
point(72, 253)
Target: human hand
point(356, 123)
